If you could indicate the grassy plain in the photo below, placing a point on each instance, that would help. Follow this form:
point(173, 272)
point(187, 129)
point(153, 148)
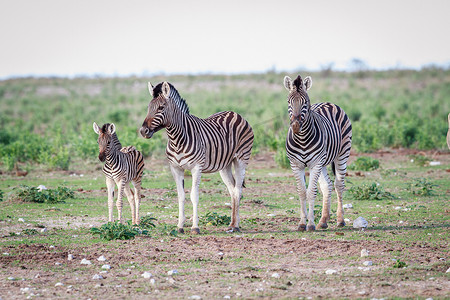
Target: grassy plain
point(46, 130)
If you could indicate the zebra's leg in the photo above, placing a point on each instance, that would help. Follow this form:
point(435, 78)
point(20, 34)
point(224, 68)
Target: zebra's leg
point(130, 198)
point(228, 179)
point(239, 175)
point(110, 185)
point(178, 176)
point(119, 202)
point(326, 186)
point(137, 199)
point(196, 175)
point(339, 184)
point(311, 195)
point(299, 174)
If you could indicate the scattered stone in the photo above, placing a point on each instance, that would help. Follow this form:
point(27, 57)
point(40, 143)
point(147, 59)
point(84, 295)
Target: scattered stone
point(330, 272)
point(152, 281)
point(360, 223)
point(41, 187)
point(195, 297)
point(12, 278)
point(43, 230)
point(448, 270)
point(226, 297)
point(146, 275)
point(271, 215)
point(368, 263)
point(106, 267)
point(70, 257)
point(58, 263)
point(97, 277)
point(84, 261)
point(347, 220)
point(364, 253)
point(220, 253)
point(59, 284)
point(171, 280)
point(25, 290)
point(276, 275)
point(52, 247)
point(101, 258)
point(5, 253)
point(21, 220)
point(435, 163)
point(348, 205)
point(397, 207)
point(172, 272)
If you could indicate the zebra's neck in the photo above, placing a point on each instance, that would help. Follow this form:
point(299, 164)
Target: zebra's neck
point(178, 101)
point(308, 127)
point(113, 149)
point(177, 131)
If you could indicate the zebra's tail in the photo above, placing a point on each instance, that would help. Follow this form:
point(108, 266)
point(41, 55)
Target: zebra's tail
point(333, 168)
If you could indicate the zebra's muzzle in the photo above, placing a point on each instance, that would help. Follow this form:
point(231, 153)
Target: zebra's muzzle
point(296, 125)
point(102, 156)
point(146, 133)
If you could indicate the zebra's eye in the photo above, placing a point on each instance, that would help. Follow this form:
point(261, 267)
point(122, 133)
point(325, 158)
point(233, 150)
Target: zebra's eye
point(161, 107)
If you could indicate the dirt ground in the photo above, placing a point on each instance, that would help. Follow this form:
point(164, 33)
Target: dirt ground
point(225, 266)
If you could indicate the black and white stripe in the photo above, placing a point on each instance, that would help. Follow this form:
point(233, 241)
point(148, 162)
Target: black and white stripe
point(319, 135)
point(122, 166)
point(200, 145)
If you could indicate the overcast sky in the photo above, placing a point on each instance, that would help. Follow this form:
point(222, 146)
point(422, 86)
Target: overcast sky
point(79, 37)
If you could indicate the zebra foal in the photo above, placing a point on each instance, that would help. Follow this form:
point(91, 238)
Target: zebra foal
point(122, 166)
point(216, 143)
point(319, 135)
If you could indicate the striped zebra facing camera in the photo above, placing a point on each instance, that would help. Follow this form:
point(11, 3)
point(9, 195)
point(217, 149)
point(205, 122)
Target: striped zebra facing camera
point(319, 135)
point(122, 166)
point(215, 144)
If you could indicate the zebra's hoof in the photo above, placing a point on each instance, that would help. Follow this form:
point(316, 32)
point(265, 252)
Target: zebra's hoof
point(195, 230)
point(233, 229)
point(323, 225)
point(180, 230)
point(301, 227)
point(310, 228)
point(341, 224)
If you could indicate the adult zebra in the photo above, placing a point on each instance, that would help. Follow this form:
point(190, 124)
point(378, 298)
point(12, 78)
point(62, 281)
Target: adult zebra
point(122, 165)
point(319, 134)
point(200, 145)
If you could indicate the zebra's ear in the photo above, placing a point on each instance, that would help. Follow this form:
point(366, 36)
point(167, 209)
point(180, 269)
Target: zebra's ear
point(166, 89)
point(112, 128)
point(150, 88)
point(288, 83)
point(307, 82)
point(96, 128)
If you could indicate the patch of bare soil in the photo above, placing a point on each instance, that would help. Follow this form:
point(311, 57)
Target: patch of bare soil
point(215, 267)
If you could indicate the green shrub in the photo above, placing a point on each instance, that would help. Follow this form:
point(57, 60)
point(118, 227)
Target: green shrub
point(399, 264)
point(147, 222)
point(281, 159)
point(32, 194)
point(370, 192)
point(1, 195)
point(419, 159)
point(117, 231)
point(364, 163)
point(29, 231)
point(215, 219)
point(421, 187)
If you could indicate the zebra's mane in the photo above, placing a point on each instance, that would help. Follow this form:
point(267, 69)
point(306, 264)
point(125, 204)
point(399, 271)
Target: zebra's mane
point(174, 96)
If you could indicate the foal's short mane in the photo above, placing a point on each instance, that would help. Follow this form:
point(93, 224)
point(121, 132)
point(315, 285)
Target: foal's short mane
point(174, 96)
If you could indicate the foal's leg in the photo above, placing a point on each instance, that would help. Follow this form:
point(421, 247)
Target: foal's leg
point(137, 199)
point(178, 176)
point(130, 198)
point(110, 184)
point(119, 202)
point(196, 175)
point(228, 179)
point(326, 186)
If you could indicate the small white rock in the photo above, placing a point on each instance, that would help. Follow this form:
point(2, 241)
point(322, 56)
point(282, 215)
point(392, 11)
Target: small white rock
point(152, 281)
point(172, 272)
point(346, 220)
point(364, 253)
point(397, 207)
point(70, 257)
point(41, 187)
point(226, 297)
point(360, 223)
point(59, 284)
point(58, 263)
point(448, 270)
point(220, 253)
point(25, 290)
point(101, 258)
point(348, 205)
point(195, 297)
point(52, 247)
point(5, 253)
point(146, 275)
point(435, 163)
point(271, 215)
point(97, 276)
point(84, 261)
point(368, 263)
point(330, 272)
point(21, 220)
point(106, 267)
point(276, 275)
point(11, 278)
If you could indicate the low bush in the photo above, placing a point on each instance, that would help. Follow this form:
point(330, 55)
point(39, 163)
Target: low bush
point(117, 231)
point(215, 219)
point(147, 222)
point(421, 187)
point(364, 163)
point(370, 192)
point(33, 194)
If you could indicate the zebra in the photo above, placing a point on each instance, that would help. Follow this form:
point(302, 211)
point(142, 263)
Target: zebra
point(122, 165)
point(319, 135)
point(217, 143)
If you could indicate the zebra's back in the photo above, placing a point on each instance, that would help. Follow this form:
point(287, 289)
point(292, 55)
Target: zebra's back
point(332, 136)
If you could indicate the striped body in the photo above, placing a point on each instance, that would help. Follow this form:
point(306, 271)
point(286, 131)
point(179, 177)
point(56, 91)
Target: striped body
point(319, 135)
point(122, 166)
point(214, 144)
